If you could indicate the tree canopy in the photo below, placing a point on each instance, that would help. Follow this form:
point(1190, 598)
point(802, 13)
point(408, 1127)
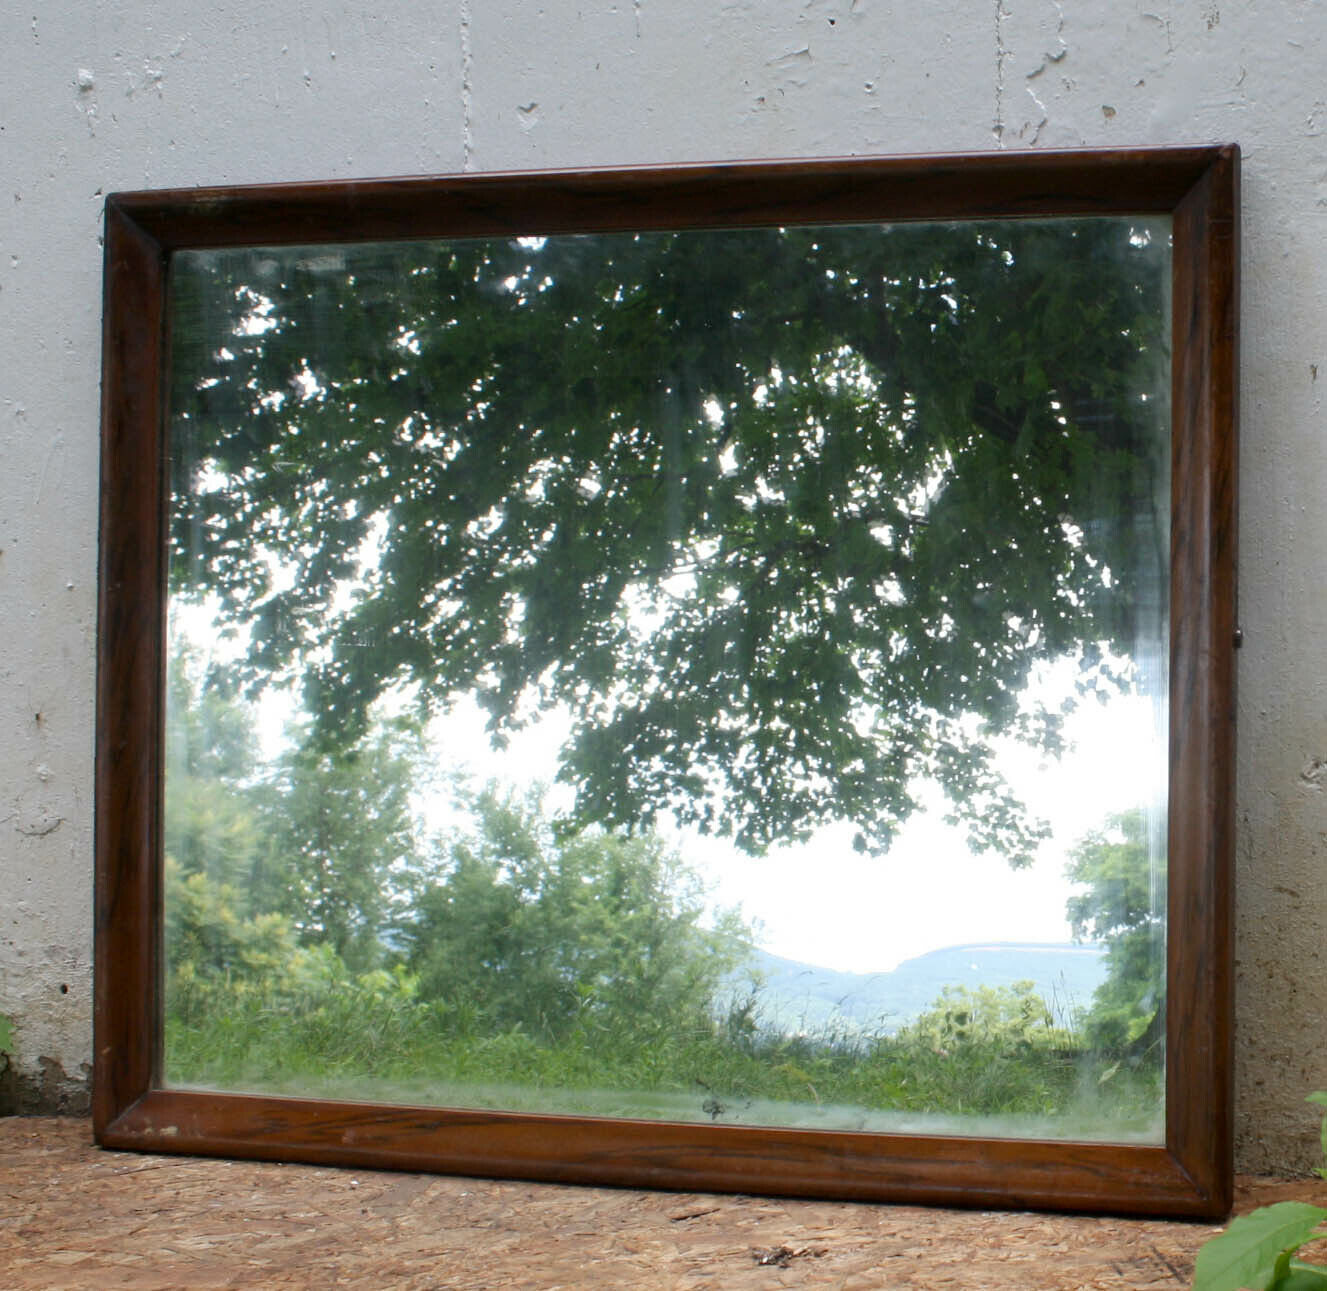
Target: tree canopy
point(321, 838)
point(785, 518)
point(1123, 906)
point(551, 934)
point(340, 830)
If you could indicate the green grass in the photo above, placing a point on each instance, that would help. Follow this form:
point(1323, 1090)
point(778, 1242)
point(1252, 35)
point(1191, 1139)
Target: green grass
point(348, 1042)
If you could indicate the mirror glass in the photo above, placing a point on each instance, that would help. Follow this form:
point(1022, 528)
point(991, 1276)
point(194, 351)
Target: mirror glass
point(714, 676)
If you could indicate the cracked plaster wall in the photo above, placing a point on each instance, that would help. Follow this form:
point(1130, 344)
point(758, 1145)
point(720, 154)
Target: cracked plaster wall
point(111, 95)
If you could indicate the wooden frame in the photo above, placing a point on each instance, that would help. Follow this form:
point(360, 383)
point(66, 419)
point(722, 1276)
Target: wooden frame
point(1189, 1175)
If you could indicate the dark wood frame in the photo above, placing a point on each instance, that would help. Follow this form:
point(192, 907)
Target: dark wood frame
point(1189, 1175)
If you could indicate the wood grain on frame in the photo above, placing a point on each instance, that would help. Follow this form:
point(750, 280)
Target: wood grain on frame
point(1200, 981)
point(1189, 1175)
point(130, 650)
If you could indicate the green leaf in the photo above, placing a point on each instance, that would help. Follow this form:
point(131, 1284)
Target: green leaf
point(1302, 1277)
point(6, 1035)
point(1245, 1255)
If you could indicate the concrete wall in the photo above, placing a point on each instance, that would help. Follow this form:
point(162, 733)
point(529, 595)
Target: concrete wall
point(110, 94)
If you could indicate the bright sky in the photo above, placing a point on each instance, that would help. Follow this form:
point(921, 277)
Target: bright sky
point(825, 904)
point(822, 902)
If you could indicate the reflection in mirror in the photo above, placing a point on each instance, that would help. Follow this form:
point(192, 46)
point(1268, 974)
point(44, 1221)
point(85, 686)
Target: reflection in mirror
point(710, 676)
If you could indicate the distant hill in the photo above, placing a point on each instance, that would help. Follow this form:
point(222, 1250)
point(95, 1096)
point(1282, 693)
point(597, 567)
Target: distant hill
point(798, 997)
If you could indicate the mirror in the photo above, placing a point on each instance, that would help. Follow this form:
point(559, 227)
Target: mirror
point(707, 671)
point(579, 644)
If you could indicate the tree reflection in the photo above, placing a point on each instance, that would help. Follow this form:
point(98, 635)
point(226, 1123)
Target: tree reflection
point(785, 517)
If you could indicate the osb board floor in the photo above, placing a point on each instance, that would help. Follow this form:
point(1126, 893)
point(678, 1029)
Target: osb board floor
point(73, 1216)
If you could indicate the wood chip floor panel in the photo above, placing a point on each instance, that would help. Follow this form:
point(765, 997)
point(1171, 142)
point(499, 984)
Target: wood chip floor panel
point(73, 1216)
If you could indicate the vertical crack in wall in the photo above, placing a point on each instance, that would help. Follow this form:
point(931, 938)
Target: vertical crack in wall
point(1049, 58)
point(467, 89)
point(1000, 56)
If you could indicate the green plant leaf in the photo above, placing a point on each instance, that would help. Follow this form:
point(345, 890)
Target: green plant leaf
point(6, 1035)
point(1302, 1277)
point(1245, 1255)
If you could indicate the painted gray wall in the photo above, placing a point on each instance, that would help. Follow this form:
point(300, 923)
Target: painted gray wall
point(110, 95)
